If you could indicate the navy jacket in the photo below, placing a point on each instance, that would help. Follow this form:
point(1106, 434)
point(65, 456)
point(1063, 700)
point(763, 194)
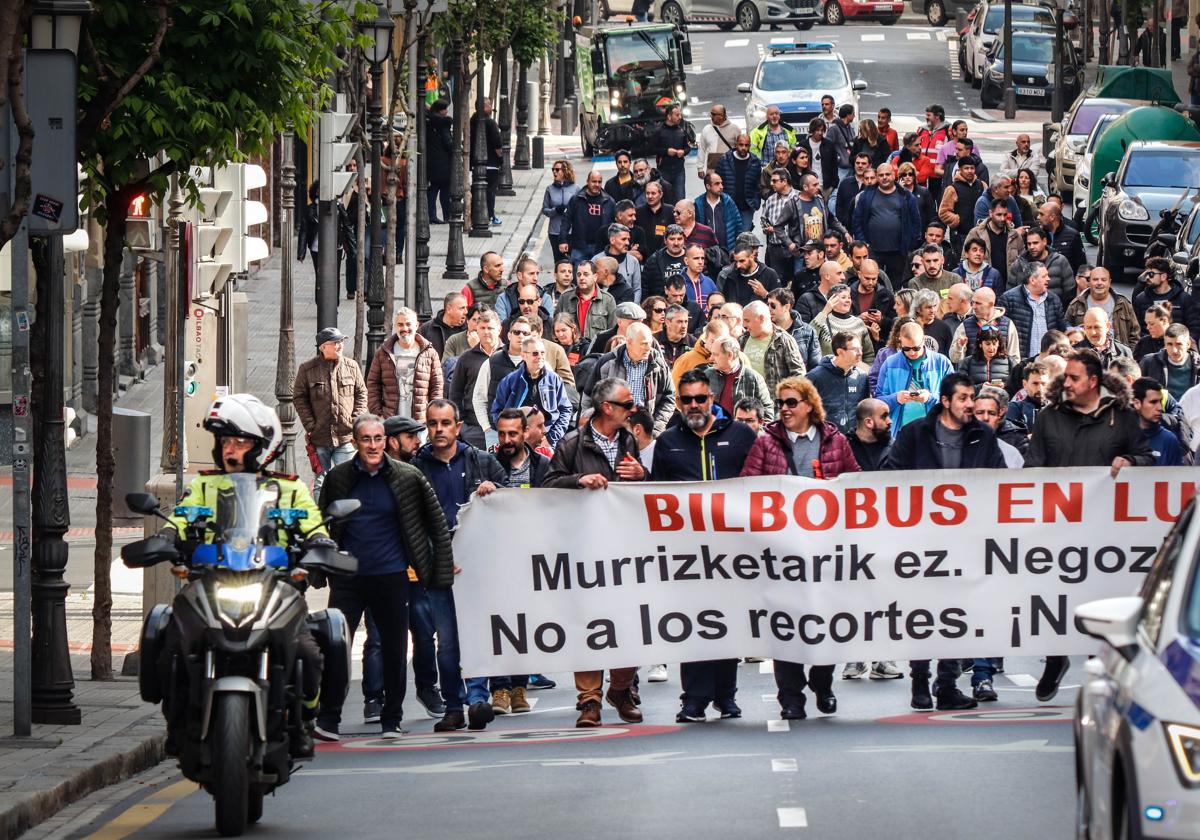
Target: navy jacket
point(840, 393)
point(916, 447)
point(910, 222)
point(753, 172)
point(679, 455)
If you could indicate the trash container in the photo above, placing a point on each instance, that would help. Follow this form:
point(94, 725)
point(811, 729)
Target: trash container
point(131, 449)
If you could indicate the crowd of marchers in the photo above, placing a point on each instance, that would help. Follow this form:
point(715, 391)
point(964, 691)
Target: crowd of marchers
point(829, 301)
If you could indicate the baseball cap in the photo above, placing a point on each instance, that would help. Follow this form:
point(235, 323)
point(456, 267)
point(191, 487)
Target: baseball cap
point(330, 334)
point(630, 311)
point(396, 425)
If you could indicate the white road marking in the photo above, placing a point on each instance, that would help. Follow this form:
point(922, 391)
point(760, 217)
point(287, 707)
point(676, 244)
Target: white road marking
point(1023, 680)
point(783, 765)
point(1038, 746)
point(767, 666)
point(918, 36)
point(768, 698)
point(792, 817)
point(737, 42)
point(872, 37)
point(941, 35)
point(778, 726)
point(785, 41)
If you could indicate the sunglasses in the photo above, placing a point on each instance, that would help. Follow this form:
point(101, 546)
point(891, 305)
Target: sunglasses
point(659, 310)
point(556, 169)
point(912, 349)
point(521, 333)
point(527, 300)
point(790, 402)
point(697, 399)
point(628, 405)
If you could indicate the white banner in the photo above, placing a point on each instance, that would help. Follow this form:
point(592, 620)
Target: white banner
point(869, 566)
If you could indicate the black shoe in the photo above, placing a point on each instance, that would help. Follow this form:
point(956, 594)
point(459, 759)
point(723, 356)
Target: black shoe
point(998, 665)
point(171, 745)
point(690, 714)
point(480, 715)
point(728, 708)
point(1056, 669)
point(540, 681)
point(431, 700)
point(922, 701)
point(303, 747)
point(953, 700)
point(792, 713)
point(451, 722)
point(984, 692)
point(372, 710)
point(827, 703)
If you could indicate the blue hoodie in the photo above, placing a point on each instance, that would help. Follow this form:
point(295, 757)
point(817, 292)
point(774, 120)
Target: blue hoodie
point(1165, 446)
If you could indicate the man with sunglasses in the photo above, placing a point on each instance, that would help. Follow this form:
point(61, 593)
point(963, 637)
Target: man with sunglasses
point(703, 448)
point(781, 223)
point(1158, 286)
point(600, 451)
point(532, 384)
point(909, 380)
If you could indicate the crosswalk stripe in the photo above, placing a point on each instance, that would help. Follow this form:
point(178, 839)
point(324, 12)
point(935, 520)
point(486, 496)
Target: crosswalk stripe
point(778, 726)
point(872, 37)
point(784, 765)
point(792, 817)
point(1022, 680)
point(918, 36)
point(767, 666)
point(737, 42)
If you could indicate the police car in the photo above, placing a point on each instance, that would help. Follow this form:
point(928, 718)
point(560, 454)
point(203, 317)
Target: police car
point(794, 76)
point(1137, 721)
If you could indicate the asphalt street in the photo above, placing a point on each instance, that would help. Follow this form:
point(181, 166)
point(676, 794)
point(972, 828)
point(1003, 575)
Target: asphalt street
point(876, 768)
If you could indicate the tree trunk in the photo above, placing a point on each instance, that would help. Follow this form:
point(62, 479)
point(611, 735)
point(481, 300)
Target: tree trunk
point(114, 247)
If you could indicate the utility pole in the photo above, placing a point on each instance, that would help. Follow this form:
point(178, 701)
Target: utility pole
point(22, 500)
point(285, 357)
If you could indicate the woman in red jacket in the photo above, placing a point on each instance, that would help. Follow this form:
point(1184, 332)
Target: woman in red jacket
point(802, 443)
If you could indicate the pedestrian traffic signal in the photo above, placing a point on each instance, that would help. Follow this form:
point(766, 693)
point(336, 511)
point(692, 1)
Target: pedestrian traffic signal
point(243, 213)
point(190, 385)
point(335, 153)
point(141, 228)
point(212, 262)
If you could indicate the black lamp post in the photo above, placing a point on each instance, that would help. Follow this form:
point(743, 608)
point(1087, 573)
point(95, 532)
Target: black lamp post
point(1056, 98)
point(54, 25)
point(456, 261)
point(481, 222)
point(506, 181)
point(1010, 95)
point(421, 269)
point(521, 153)
point(380, 32)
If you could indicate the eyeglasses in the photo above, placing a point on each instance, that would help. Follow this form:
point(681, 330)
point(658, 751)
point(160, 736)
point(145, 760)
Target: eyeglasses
point(790, 402)
point(628, 405)
point(556, 169)
point(659, 310)
point(676, 212)
point(907, 175)
point(527, 300)
point(521, 333)
point(912, 349)
point(697, 399)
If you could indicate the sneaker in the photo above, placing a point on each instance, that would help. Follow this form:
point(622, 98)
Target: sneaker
point(690, 714)
point(728, 708)
point(886, 670)
point(480, 715)
point(984, 692)
point(326, 733)
point(657, 673)
point(372, 709)
point(451, 722)
point(519, 704)
point(854, 670)
point(496, 221)
point(501, 701)
point(589, 715)
point(431, 701)
point(1056, 669)
point(952, 700)
point(392, 732)
point(922, 701)
point(540, 681)
point(792, 713)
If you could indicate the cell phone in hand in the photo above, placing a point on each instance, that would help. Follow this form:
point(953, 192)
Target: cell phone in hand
point(914, 395)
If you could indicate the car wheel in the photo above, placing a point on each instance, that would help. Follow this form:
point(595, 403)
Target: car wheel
point(672, 14)
point(1122, 815)
point(935, 12)
point(833, 13)
point(803, 25)
point(892, 21)
point(748, 18)
point(588, 149)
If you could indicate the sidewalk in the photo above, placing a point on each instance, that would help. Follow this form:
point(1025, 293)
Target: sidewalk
point(120, 735)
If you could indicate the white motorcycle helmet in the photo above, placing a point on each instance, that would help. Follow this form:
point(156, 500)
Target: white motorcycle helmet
point(244, 415)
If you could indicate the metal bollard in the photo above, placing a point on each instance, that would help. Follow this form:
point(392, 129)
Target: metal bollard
point(131, 449)
point(539, 153)
point(569, 121)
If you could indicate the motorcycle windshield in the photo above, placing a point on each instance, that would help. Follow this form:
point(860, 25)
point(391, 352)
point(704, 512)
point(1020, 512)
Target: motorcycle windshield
point(245, 534)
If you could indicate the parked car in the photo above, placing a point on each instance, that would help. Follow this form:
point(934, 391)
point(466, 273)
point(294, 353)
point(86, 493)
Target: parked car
point(1137, 718)
point(747, 15)
point(1077, 124)
point(1151, 178)
point(937, 12)
point(1032, 71)
point(837, 12)
point(795, 77)
point(987, 25)
point(1083, 168)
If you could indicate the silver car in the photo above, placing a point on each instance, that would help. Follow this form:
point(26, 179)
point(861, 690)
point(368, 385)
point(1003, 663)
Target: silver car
point(794, 77)
point(747, 15)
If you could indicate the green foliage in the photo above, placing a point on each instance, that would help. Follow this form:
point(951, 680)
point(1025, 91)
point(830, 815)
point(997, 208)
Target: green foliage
point(528, 26)
point(230, 75)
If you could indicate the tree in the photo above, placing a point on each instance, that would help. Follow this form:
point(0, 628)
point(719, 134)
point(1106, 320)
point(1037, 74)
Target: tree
point(14, 21)
point(201, 81)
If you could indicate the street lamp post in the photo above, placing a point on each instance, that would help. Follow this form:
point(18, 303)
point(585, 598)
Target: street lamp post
point(55, 24)
point(1010, 95)
point(456, 261)
point(521, 153)
point(506, 181)
point(380, 33)
point(421, 269)
point(285, 357)
point(481, 222)
point(1056, 98)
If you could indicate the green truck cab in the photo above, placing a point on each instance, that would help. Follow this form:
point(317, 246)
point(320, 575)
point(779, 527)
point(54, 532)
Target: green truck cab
point(627, 73)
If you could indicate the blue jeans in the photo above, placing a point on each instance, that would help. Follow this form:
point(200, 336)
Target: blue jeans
point(432, 612)
point(678, 182)
point(330, 456)
point(747, 219)
point(372, 680)
point(479, 688)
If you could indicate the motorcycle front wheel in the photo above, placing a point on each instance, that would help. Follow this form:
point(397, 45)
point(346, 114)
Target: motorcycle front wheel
point(230, 749)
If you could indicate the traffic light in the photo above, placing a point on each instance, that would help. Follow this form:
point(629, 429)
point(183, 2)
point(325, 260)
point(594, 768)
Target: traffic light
point(242, 212)
point(212, 262)
point(336, 153)
point(190, 385)
point(141, 228)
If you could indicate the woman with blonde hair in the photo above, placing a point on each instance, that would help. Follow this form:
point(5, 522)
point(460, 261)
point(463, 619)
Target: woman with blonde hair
point(554, 204)
point(871, 143)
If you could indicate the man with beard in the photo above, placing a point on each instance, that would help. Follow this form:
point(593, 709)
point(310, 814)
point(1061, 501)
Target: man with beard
point(403, 437)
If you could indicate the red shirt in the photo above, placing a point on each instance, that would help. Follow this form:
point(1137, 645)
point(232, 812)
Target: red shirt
point(582, 312)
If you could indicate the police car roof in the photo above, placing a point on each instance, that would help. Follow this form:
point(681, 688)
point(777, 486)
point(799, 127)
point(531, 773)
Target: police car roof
point(786, 47)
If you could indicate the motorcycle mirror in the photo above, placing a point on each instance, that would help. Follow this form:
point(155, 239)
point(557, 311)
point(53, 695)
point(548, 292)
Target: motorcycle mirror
point(342, 509)
point(144, 503)
point(148, 552)
point(1167, 239)
point(1180, 258)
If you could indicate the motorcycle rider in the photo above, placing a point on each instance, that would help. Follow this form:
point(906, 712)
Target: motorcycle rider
point(246, 438)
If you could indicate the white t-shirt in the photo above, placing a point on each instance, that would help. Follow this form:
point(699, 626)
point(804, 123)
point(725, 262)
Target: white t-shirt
point(406, 366)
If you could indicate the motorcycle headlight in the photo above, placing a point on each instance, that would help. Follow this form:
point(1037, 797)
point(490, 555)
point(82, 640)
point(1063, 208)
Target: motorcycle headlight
point(681, 94)
point(237, 604)
point(1131, 211)
point(1185, 748)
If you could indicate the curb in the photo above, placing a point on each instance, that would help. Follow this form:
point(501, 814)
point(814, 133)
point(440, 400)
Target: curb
point(41, 805)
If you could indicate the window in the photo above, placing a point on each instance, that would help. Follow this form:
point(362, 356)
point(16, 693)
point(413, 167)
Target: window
point(1172, 169)
point(1157, 586)
point(823, 74)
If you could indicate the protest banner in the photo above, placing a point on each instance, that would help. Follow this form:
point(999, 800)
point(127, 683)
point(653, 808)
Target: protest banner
point(869, 566)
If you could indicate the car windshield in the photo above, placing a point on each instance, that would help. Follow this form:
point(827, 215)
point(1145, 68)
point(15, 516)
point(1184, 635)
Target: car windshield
point(1088, 114)
point(1030, 50)
point(1098, 132)
point(1191, 611)
point(1167, 168)
point(1020, 14)
point(824, 74)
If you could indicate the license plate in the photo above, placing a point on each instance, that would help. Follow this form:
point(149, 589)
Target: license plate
point(1028, 91)
point(883, 7)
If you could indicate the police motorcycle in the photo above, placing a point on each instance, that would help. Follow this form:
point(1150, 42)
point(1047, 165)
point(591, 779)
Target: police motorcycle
point(230, 637)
